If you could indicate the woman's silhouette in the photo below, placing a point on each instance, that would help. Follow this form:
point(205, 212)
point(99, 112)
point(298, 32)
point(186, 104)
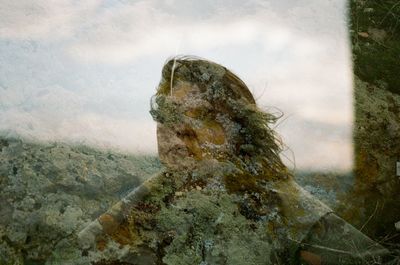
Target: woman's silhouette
point(225, 196)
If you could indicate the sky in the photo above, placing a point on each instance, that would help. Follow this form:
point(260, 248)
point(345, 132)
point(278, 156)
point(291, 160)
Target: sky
point(84, 71)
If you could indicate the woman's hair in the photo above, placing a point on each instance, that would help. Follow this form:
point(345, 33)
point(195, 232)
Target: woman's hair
point(255, 146)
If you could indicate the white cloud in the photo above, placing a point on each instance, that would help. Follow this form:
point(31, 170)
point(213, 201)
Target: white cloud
point(327, 155)
point(42, 19)
point(127, 32)
point(125, 135)
point(56, 114)
point(317, 144)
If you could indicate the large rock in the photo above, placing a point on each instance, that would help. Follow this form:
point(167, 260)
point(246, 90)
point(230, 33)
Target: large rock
point(373, 198)
point(51, 191)
point(373, 204)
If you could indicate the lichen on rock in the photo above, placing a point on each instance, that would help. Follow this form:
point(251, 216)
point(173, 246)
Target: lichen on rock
point(373, 203)
point(225, 196)
point(49, 192)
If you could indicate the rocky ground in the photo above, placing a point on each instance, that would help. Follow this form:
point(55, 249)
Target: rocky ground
point(329, 187)
point(51, 191)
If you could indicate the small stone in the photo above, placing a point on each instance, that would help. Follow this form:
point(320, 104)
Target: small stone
point(397, 225)
point(198, 188)
point(178, 193)
point(363, 34)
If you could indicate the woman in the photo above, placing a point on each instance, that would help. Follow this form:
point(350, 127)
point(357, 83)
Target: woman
point(225, 197)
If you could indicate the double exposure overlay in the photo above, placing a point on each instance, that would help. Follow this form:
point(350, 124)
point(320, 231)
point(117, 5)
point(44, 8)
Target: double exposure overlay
point(215, 132)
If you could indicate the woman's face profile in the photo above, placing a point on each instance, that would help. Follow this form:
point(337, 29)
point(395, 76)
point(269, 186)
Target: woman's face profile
point(197, 135)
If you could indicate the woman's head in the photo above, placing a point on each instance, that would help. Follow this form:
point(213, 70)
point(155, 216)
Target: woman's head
point(204, 111)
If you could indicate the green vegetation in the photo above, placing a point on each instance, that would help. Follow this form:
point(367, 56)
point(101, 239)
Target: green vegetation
point(375, 32)
point(373, 204)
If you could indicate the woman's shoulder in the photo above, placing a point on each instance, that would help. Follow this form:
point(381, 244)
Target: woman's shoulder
point(206, 226)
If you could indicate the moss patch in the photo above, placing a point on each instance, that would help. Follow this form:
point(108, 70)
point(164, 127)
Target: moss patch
point(375, 31)
point(208, 229)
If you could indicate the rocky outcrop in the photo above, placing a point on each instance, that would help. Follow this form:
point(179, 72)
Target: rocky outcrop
point(373, 204)
point(51, 191)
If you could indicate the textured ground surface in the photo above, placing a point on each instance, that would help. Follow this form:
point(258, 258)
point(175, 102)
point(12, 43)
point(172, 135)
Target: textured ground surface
point(375, 35)
point(50, 191)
